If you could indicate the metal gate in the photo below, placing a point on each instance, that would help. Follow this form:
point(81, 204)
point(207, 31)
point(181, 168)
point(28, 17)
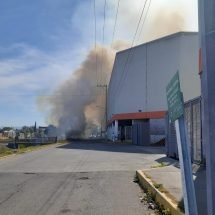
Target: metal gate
point(140, 132)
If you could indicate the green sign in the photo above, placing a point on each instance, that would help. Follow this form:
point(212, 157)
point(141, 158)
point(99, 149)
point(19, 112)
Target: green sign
point(175, 98)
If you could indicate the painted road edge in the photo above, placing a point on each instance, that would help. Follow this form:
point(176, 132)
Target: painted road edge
point(160, 198)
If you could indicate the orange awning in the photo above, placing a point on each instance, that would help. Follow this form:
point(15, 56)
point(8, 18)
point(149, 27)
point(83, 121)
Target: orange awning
point(139, 115)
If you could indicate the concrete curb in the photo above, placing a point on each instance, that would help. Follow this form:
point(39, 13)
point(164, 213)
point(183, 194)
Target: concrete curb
point(31, 150)
point(160, 198)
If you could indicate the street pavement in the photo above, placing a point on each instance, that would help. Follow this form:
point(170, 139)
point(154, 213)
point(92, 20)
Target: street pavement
point(76, 178)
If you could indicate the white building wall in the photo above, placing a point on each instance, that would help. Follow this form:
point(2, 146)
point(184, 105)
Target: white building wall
point(124, 85)
point(141, 83)
point(163, 62)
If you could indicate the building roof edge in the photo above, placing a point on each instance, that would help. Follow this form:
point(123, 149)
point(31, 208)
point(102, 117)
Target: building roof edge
point(161, 38)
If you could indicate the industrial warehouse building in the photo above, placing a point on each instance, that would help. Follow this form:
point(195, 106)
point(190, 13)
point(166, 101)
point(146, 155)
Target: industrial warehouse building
point(136, 101)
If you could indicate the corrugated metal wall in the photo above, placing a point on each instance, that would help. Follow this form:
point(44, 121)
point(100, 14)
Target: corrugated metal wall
point(194, 131)
point(193, 121)
point(141, 132)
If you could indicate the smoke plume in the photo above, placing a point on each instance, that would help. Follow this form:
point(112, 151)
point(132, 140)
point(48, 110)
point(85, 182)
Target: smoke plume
point(77, 106)
point(165, 23)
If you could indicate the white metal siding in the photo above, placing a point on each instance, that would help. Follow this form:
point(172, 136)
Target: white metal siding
point(141, 85)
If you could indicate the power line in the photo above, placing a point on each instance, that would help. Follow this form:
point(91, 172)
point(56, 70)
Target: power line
point(144, 6)
point(150, 1)
point(130, 50)
point(103, 31)
point(95, 38)
point(114, 29)
point(103, 37)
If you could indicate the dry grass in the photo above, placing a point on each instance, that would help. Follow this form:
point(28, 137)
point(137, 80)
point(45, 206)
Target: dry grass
point(4, 151)
point(160, 165)
point(62, 141)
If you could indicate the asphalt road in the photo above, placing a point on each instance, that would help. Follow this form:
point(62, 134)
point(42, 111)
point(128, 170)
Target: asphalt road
point(77, 179)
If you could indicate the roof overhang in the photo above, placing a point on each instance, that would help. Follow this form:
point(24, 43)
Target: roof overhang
point(138, 115)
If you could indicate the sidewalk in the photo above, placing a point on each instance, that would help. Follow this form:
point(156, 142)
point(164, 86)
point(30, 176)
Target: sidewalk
point(164, 181)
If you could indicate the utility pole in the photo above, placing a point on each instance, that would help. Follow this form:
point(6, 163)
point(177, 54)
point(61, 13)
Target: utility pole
point(104, 86)
point(207, 34)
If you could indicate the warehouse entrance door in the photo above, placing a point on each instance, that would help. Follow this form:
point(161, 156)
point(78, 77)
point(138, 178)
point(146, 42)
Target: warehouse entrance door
point(141, 132)
point(125, 129)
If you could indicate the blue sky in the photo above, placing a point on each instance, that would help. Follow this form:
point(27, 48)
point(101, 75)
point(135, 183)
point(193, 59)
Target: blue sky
point(43, 41)
point(33, 22)
point(39, 47)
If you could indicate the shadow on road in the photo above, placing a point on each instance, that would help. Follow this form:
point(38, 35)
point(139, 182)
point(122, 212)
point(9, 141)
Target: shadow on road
point(168, 161)
point(113, 147)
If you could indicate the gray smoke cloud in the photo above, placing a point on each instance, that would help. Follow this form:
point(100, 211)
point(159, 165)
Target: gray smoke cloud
point(77, 105)
point(164, 23)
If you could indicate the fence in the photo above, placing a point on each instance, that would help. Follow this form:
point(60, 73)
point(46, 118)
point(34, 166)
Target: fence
point(33, 141)
point(194, 131)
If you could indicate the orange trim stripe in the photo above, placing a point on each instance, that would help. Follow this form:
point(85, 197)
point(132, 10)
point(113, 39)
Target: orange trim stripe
point(139, 115)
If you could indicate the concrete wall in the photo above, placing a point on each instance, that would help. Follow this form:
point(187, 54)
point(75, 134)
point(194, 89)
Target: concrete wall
point(141, 84)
